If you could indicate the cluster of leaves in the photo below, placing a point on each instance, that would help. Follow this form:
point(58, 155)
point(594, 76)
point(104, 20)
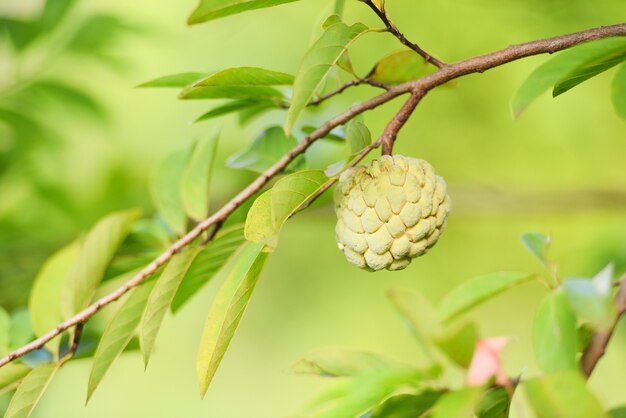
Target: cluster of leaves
point(369, 385)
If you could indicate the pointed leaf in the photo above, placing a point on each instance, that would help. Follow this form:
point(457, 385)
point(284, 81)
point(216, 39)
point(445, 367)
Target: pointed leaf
point(117, 334)
point(317, 63)
point(166, 191)
point(214, 9)
point(618, 91)
point(196, 182)
point(562, 394)
point(227, 108)
point(400, 67)
point(459, 343)
point(407, 405)
point(228, 307)
point(555, 334)
point(269, 212)
point(207, 263)
point(538, 244)
point(30, 391)
point(11, 374)
point(357, 136)
point(174, 80)
point(45, 297)
point(161, 298)
point(496, 403)
point(340, 362)
point(478, 290)
point(96, 252)
point(592, 299)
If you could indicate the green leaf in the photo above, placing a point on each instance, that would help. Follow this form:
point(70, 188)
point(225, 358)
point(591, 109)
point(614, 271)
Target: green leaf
point(45, 297)
point(11, 374)
point(166, 191)
point(196, 181)
point(174, 80)
point(30, 391)
point(369, 390)
point(249, 114)
point(458, 404)
point(336, 135)
point(21, 331)
point(68, 95)
point(317, 63)
point(265, 151)
point(459, 343)
point(538, 244)
point(618, 91)
point(21, 32)
point(619, 412)
point(117, 334)
point(496, 403)
point(478, 290)
point(357, 136)
point(225, 109)
point(399, 67)
point(226, 311)
point(554, 334)
point(5, 332)
point(207, 263)
point(96, 252)
point(407, 405)
point(548, 74)
point(53, 13)
point(592, 299)
point(589, 69)
point(161, 298)
point(564, 395)
point(239, 83)
point(270, 211)
point(215, 9)
point(341, 362)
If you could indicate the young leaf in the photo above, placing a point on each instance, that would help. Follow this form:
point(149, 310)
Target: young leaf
point(459, 343)
point(265, 151)
point(196, 179)
point(228, 307)
point(166, 191)
point(589, 69)
point(592, 299)
point(496, 403)
point(174, 80)
point(357, 136)
point(11, 374)
point(399, 67)
point(407, 405)
point(239, 83)
point(5, 332)
point(30, 391)
point(338, 362)
point(562, 394)
point(161, 298)
point(96, 252)
point(538, 244)
point(273, 208)
point(316, 64)
point(225, 109)
point(117, 334)
point(207, 263)
point(548, 74)
point(369, 390)
point(478, 290)
point(45, 297)
point(618, 91)
point(555, 334)
point(459, 404)
point(214, 9)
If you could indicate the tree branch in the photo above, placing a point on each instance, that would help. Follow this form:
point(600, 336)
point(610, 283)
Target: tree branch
point(344, 87)
point(447, 73)
point(600, 340)
point(393, 29)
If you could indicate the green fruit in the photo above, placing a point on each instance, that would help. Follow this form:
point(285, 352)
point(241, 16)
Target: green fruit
point(389, 212)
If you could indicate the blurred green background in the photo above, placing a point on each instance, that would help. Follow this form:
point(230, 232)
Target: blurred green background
point(559, 169)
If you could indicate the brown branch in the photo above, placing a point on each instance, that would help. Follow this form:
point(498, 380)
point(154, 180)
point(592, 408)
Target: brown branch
point(393, 29)
point(600, 340)
point(344, 87)
point(423, 85)
point(391, 132)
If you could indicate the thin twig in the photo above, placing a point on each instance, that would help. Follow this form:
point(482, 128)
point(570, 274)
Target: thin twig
point(600, 340)
point(344, 87)
point(393, 29)
point(391, 132)
point(78, 333)
point(424, 84)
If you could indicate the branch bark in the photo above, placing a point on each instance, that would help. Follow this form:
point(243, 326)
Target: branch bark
point(447, 73)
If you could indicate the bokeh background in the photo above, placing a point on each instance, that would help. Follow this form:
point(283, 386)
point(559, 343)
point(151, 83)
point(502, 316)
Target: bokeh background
point(559, 170)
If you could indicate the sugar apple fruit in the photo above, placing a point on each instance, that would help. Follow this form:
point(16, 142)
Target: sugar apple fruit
point(389, 212)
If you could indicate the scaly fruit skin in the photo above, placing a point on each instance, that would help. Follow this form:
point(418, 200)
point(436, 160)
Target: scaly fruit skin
point(389, 212)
